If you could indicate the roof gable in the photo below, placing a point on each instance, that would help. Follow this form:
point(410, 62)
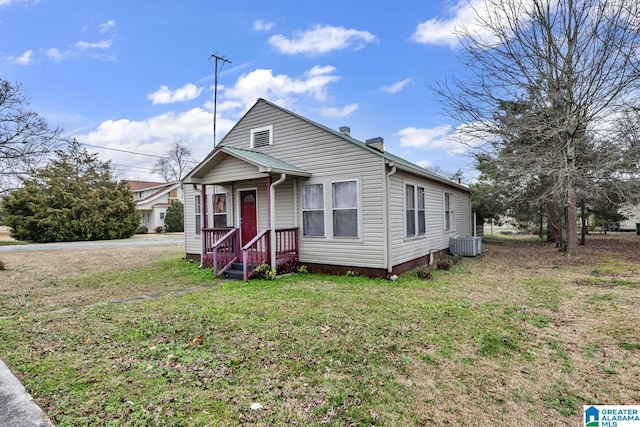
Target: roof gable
point(270, 164)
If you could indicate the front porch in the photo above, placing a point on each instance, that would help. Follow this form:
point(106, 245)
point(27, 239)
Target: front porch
point(223, 253)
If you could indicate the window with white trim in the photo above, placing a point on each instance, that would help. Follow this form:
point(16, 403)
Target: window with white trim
point(345, 208)
point(198, 211)
point(449, 214)
point(220, 210)
point(415, 218)
point(261, 137)
point(162, 215)
point(313, 210)
point(146, 218)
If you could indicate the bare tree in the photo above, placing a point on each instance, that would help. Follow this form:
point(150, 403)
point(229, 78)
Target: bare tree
point(573, 63)
point(176, 162)
point(25, 138)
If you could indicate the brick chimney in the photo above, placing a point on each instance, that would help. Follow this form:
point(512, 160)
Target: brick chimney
point(376, 143)
point(345, 130)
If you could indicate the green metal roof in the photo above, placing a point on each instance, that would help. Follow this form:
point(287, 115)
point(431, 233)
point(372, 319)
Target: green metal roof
point(264, 162)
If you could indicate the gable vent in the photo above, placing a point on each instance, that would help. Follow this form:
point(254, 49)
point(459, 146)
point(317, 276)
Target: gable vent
point(262, 137)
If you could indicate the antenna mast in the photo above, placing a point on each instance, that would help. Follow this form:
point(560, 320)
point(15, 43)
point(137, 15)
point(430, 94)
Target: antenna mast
point(223, 60)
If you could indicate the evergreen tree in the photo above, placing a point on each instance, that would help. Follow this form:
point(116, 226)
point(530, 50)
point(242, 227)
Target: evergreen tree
point(174, 218)
point(74, 198)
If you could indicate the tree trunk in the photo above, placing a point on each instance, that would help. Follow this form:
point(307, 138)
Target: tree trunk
point(583, 221)
point(571, 220)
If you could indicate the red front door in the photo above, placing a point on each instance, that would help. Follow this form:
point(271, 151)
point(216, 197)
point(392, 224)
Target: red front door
point(248, 217)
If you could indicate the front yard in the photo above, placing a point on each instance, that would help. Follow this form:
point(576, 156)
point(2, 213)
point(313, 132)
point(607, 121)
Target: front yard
point(519, 336)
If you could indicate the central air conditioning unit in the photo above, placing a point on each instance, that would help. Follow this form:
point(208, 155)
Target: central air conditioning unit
point(465, 246)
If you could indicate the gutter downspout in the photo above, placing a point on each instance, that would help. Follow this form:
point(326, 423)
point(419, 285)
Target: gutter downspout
point(387, 254)
point(272, 219)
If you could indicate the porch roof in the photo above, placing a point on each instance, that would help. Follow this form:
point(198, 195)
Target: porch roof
point(264, 163)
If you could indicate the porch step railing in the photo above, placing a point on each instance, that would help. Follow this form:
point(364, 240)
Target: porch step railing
point(222, 249)
point(256, 252)
point(225, 251)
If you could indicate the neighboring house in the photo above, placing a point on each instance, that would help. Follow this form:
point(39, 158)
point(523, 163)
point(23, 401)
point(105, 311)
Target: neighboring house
point(329, 201)
point(632, 212)
point(152, 200)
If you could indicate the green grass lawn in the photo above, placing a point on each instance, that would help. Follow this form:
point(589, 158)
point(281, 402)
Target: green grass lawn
point(497, 340)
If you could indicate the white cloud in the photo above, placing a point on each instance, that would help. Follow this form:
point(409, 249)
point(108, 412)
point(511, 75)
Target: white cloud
point(106, 26)
point(426, 138)
point(280, 89)
point(153, 136)
point(424, 163)
point(102, 44)
point(444, 137)
point(10, 2)
point(436, 31)
point(321, 39)
point(260, 25)
point(396, 87)
point(58, 55)
point(340, 112)
point(25, 59)
point(166, 96)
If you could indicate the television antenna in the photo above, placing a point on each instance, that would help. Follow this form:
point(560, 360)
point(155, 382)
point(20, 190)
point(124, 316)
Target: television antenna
point(222, 60)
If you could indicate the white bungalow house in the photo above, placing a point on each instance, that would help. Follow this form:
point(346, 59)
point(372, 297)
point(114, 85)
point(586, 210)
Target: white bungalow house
point(280, 187)
point(152, 200)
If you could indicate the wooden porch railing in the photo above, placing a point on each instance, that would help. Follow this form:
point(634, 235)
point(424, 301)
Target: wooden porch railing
point(257, 251)
point(222, 248)
point(287, 241)
point(225, 251)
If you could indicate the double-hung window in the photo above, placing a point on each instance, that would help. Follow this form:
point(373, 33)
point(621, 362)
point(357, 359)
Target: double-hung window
point(313, 210)
point(345, 208)
point(220, 210)
point(198, 211)
point(415, 217)
point(449, 214)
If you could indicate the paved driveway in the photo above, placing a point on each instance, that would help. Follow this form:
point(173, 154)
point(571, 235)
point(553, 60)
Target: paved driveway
point(151, 239)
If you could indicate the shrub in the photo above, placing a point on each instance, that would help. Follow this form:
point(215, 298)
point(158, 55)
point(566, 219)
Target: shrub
point(74, 197)
point(303, 269)
point(142, 229)
point(351, 273)
point(2, 266)
point(443, 264)
point(159, 229)
point(264, 272)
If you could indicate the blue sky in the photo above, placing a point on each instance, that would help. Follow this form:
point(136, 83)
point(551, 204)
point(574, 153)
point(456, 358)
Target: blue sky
point(137, 75)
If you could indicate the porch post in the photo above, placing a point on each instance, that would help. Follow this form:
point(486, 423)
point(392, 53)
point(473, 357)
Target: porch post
point(203, 222)
point(272, 219)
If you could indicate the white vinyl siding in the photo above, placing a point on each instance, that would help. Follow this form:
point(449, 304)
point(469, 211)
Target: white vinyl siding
point(405, 249)
point(313, 210)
